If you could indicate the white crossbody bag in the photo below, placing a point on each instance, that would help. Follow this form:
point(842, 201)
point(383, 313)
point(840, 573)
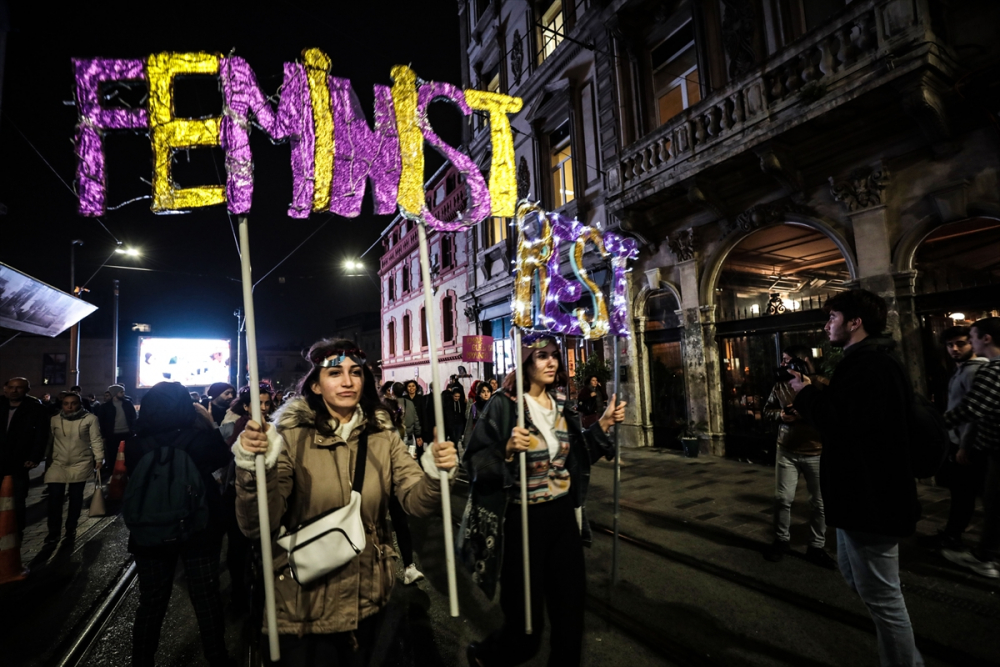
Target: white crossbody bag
point(320, 545)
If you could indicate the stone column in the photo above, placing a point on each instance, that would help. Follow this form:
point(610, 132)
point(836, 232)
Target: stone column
point(640, 380)
point(698, 358)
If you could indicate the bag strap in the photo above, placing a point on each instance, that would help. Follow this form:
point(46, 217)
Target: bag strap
point(359, 464)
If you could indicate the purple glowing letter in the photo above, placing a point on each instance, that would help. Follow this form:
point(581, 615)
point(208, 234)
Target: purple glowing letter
point(363, 153)
point(93, 120)
point(479, 194)
point(622, 249)
point(293, 120)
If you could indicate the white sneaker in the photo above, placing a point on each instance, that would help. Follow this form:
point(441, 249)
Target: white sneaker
point(412, 575)
point(969, 560)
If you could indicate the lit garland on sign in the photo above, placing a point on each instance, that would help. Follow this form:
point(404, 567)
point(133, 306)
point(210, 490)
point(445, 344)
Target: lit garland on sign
point(540, 291)
point(503, 175)
point(169, 133)
point(334, 152)
point(90, 175)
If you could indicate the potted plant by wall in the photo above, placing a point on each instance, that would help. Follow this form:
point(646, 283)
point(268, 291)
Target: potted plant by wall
point(690, 436)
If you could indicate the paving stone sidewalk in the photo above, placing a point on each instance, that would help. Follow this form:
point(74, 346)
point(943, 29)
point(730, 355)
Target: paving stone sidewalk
point(731, 495)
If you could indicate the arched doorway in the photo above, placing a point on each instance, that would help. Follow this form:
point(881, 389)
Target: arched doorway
point(769, 296)
point(667, 394)
point(958, 282)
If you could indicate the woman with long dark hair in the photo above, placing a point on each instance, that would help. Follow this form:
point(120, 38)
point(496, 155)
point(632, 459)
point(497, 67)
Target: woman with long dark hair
point(310, 454)
point(560, 453)
point(592, 400)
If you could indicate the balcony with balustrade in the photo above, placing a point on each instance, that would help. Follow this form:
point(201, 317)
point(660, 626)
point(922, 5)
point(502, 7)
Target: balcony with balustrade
point(869, 45)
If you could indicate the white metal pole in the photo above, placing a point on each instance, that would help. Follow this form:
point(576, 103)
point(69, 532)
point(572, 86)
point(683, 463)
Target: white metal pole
point(523, 463)
point(449, 540)
point(618, 466)
point(262, 511)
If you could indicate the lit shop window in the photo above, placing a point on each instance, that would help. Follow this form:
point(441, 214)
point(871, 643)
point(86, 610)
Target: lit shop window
point(552, 30)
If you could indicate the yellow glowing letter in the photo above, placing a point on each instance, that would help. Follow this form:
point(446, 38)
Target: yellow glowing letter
point(170, 134)
point(503, 178)
point(411, 139)
point(317, 71)
point(534, 247)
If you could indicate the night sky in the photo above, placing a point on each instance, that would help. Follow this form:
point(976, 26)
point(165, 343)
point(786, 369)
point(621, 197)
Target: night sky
point(193, 287)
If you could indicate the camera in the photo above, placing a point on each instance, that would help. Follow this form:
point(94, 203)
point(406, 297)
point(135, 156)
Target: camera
point(781, 374)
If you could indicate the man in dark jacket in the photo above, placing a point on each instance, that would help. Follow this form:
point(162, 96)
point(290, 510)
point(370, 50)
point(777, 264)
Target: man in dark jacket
point(220, 396)
point(23, 439)
point(869, 492)
point(117, 420)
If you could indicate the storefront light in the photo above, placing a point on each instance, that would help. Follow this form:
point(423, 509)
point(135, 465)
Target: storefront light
point(958, 317)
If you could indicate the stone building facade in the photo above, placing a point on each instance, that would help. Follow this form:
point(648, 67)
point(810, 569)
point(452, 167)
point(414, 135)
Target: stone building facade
point(767, 154)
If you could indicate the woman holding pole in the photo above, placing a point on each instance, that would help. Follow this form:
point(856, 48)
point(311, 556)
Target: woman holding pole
point(559, 455)
point(310, 460)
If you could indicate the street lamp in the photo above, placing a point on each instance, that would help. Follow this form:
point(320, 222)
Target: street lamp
point(74, 332)
point(131, 252)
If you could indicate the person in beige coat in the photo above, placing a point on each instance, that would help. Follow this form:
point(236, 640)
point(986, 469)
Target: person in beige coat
point(310, 453)
point(75, 451)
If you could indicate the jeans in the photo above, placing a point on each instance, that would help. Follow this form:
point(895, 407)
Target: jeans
point(787, 466)
point(57, 491)
point(870, 565)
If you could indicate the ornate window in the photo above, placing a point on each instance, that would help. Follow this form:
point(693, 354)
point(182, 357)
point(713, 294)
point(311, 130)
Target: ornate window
point(552, 30)
point(391, 292)
point(406, 332)
point(448, 333)
point(447, 252)
point(676, 80)
point(495, 231)
point(392, 337)
point(406, 277)
point(423, 328)
point(561, 155)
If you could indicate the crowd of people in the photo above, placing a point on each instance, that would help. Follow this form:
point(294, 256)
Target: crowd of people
point(338, 435)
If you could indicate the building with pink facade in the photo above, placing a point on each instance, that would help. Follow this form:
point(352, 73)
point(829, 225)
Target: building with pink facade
point(405, 344)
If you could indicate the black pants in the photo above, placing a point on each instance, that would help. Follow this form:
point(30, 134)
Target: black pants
point(989, 545)
point(339, 649)
point(21, 484)
point(965, 483)
point(237, 550)
point(402, 530)
point(57, 491)
point(558, 585)
point(156, 580)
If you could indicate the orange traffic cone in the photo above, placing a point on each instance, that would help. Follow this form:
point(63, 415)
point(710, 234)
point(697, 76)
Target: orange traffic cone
point(119, 477)
point(10, 550)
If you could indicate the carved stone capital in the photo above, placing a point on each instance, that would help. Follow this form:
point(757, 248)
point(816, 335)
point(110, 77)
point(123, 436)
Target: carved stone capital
point(760, 215)
point(861, 190)
point(682, 244)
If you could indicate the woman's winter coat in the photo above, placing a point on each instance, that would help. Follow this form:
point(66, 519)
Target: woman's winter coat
point(313, 475)
point(480, 539)
point(75, 446)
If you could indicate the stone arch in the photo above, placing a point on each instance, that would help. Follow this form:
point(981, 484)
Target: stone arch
point(906, 248)
point(713, 265)
point(647, 292)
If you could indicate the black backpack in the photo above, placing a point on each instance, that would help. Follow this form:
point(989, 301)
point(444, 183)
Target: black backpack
point(165, 498)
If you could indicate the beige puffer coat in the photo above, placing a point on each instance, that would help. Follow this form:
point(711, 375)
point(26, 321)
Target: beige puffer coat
point(313, 475)
point(75, 445)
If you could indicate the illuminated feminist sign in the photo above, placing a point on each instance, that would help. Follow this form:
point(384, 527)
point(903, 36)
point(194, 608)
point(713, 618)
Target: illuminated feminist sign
point(334, 151)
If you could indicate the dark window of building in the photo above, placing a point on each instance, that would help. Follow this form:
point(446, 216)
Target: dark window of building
point(54, 368)
point(447, 252)
point(406, 333)
point(392, 288)
point(423, 327)
point(448, 319)
point(406, 278)
point(561, 152)
point(676, 82)
point(392, 339)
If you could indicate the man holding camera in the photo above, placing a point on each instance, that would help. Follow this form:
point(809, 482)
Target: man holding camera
point(798, 452)
point(869, 492)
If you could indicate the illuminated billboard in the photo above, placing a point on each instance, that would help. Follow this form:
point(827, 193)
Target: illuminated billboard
point(31, 306)
point(194, 362)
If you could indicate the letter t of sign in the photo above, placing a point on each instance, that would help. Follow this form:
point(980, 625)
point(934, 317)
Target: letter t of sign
point(170, 134)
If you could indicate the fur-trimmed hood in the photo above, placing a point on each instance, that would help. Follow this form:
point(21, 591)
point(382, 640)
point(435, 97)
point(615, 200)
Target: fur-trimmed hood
point(296, 413)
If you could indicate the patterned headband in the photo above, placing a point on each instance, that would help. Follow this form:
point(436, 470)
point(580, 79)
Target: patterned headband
point(538, 340)
point(337, 357)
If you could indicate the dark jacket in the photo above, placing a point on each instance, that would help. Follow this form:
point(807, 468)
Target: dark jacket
point(593, 400)
point(25, 439)
point(106, 417)
point(863, 415)
point(480, 539)
point(169, 420)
